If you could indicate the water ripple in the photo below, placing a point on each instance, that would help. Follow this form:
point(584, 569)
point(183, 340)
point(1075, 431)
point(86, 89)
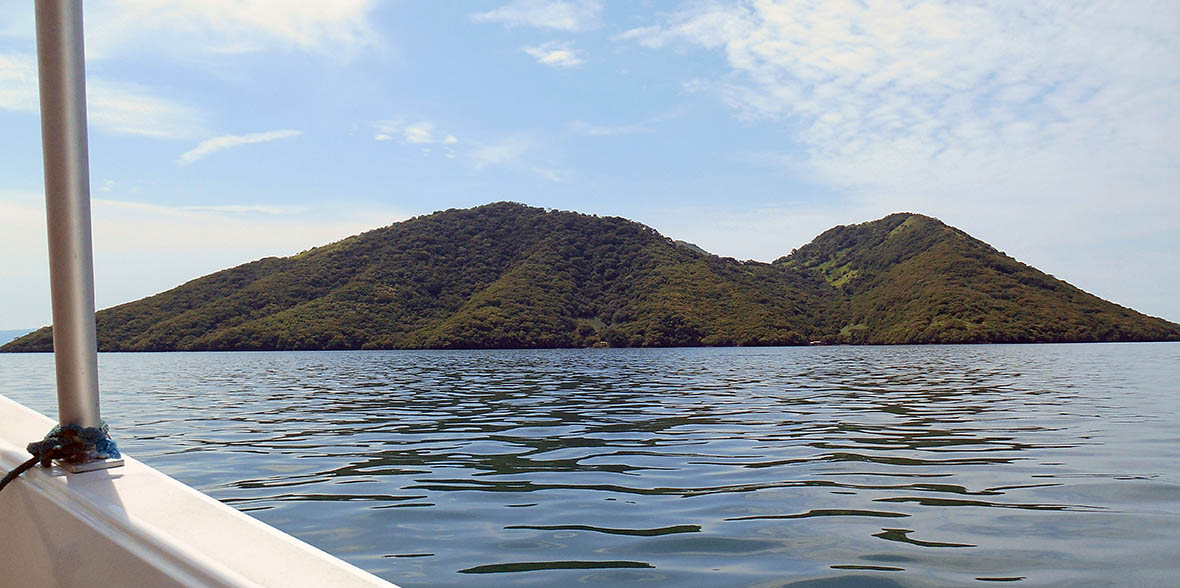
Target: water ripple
point(1042, 464)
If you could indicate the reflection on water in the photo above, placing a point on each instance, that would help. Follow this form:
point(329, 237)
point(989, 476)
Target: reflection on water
point(828, 466)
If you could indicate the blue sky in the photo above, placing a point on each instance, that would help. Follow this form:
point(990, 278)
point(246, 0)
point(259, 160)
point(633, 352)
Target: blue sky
point(223, 131)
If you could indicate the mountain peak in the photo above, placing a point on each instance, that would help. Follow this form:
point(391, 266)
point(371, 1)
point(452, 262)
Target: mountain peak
point(893, 239)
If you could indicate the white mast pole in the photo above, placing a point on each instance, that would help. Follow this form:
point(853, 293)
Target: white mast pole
point(62, 74)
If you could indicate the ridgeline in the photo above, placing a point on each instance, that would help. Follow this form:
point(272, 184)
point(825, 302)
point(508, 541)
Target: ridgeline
point(506, 275)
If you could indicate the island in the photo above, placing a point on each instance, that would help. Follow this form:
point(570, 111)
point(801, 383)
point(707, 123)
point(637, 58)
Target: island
point(507, 275)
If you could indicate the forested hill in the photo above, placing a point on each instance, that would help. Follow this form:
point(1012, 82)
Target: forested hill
point(506, 275)
point(909, 278)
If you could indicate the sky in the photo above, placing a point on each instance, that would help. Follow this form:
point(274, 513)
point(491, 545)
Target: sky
point(223, 131)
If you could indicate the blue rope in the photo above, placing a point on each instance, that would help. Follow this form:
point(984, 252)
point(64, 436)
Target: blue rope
point(68, 443)
point(75, 444)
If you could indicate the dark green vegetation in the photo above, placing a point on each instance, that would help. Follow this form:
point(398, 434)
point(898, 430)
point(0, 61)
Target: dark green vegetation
point(6, 336)
point(909, 278)
point(506, 275)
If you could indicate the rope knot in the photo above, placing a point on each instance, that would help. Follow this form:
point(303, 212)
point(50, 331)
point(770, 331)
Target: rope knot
point(69, 443)
point(74, 444)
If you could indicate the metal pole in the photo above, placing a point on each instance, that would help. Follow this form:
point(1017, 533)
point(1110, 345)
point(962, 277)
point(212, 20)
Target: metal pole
point(62, 73)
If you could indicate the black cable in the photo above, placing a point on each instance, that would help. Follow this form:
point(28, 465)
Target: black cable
point(18, 470)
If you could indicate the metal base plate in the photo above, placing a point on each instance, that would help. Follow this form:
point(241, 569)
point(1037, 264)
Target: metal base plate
point(98, 464)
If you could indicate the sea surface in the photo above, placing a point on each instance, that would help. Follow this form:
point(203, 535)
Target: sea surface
point(1039, 465)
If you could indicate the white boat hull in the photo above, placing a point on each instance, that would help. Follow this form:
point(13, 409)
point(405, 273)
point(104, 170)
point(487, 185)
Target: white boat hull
point(134, 526)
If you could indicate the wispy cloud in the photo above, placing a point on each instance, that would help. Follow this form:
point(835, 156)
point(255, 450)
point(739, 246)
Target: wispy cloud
point(113, 107)
point(420, 133)
point(423, 134)
point(131, 109)
point(572, 16)
point(644, 126)
point(592, 130)
point(519, 151)
point(507, 150)
point(967, 110)
point(187, 28)
point(18, 82)
point(210, 146)
point(267, 209)
point(339, 29)
point(559, 54)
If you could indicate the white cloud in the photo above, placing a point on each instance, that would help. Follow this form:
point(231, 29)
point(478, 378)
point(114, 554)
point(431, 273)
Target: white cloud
point(418, 133)
point(186, 28)
point(422, 132)
point(522, 152)
point(927, 90)
point(1048, 125)
point(556, 54)
point(112, 107)
point(340, 29)
point(210, 146)
point(549, 14)
point(386, 129)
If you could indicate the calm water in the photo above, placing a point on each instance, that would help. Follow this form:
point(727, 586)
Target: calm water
point(822, 466)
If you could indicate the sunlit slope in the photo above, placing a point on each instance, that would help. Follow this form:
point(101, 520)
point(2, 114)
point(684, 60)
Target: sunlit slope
point(909, 278)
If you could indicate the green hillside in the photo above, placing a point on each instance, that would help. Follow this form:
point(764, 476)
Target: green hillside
point(909, 278)
point(506, 275)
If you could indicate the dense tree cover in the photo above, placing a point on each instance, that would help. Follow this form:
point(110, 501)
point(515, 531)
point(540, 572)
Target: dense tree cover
point(506, 275)
point(908, 278)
